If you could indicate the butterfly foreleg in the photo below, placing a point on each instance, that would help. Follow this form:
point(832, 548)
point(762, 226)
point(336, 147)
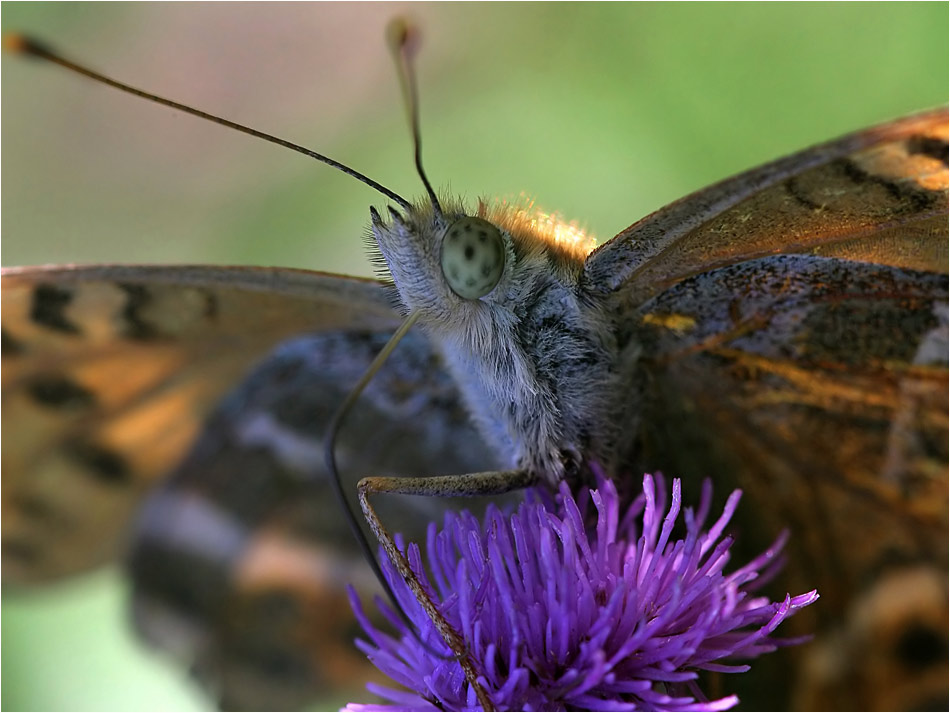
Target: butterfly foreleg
point(470, 484)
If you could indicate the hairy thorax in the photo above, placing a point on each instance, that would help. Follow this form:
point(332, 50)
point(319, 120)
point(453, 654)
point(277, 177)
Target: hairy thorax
point(535, 357)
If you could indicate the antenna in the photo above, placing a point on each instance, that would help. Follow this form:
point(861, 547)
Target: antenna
point(329, 458)
point(24, 45)
point(404, 39)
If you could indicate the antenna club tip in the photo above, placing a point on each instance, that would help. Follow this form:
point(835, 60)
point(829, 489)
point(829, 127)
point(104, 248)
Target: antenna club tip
point(403, 35)
point(15, 43)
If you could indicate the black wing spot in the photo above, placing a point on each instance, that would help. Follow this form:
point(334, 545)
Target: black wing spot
point(921, 646)
point(36, 508)
point(49, 308)
point(793, 189)
point(136, 327)
point(105, 465)
point(928, 146)
point(211, 305)
point(59, 392)
point(469, 252)
point(276, 607)
point(20, 551)
point(33, 507)
point(915, 199)
point(9, 346)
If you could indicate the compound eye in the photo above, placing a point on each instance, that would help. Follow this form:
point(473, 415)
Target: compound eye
point(473, 257)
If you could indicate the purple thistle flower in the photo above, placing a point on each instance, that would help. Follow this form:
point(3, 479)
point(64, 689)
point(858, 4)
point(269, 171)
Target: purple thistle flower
point(559, 616)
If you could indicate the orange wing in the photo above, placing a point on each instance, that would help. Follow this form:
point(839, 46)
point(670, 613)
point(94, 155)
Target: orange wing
point(879, 195)
point(108, 374)
point(237, 552)
point(787, 330)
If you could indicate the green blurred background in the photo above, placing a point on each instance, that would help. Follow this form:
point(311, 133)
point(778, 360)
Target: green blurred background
point(602, 112)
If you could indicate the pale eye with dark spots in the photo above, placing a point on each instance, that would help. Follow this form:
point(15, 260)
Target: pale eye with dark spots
point(473, 257)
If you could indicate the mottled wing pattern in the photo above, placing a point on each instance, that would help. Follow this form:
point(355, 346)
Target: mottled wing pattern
point(238, 553)
point(788, 332)
point(879, 195)
point(240, 559)
point(108, 373)
point(819, 387)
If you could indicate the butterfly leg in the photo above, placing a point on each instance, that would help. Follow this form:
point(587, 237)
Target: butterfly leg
point(471, 484)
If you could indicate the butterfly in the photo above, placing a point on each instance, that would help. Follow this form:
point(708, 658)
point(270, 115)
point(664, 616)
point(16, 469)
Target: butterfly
point(784, 330)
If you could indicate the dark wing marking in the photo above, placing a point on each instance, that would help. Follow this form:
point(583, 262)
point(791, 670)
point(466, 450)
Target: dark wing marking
point(108, 373)
point(879, 195)
point(818, 386)
point(818, 383)
point(240, 559)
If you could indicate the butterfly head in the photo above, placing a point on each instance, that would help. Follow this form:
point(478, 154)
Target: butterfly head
point(452, 265)
point(446, 264)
